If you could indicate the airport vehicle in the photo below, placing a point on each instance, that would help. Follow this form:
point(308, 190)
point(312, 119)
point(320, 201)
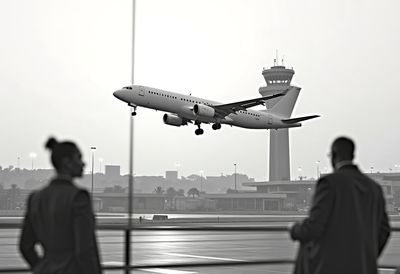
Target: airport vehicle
point(183, 109)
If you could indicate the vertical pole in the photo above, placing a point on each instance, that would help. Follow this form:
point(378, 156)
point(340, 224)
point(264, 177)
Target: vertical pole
point(92, 172)
point(92, 149)
point(130, 193)
point(235, 176)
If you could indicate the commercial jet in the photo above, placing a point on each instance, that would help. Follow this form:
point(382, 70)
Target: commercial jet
point(183, 109)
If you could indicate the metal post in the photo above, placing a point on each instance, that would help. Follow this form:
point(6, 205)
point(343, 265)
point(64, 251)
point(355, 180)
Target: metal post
point(130, 189)
point(235, 176)
point(93, 149)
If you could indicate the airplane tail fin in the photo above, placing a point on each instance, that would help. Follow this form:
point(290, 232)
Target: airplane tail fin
point(284, 107)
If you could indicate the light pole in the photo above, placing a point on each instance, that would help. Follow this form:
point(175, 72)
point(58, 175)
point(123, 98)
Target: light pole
point(32, 155)
point(299, 170)
point(371, 168)
point(317, 162)
point(92, 149)
point(235, 176)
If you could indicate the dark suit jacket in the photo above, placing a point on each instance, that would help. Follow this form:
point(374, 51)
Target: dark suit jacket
point(347, 227)
point(61, 219)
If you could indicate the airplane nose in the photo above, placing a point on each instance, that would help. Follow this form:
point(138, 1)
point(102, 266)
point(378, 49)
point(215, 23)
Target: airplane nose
point(119, 94)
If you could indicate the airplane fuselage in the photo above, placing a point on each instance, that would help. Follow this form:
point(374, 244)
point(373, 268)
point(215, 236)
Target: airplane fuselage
point(183, 106)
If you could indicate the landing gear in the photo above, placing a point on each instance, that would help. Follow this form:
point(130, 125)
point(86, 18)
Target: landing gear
point(198, 131)
point(134, 109)
point(216, 126)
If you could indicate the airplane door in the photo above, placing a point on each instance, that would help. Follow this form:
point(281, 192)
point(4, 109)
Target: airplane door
point(269, 120)
point(141, 92)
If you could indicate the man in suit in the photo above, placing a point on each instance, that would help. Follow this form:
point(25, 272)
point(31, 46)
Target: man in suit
point(347, 227)
point(60, 218)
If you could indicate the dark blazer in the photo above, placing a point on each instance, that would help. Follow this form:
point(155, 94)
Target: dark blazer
point(61, 219)
point(347, 227)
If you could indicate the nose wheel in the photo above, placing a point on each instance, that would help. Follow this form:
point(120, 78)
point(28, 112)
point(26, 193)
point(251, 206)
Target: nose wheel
point(134, 110)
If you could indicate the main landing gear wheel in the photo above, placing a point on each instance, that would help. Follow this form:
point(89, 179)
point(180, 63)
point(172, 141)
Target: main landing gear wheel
point(199, 131)
point(216, 126)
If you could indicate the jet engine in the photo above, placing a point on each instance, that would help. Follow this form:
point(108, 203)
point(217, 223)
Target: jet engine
point(203, 110)
point(172, 120)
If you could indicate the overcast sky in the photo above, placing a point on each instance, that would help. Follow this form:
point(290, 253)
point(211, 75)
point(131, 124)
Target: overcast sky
point(60, 62)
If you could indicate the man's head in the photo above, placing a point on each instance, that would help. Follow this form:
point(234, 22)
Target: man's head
point(342, 149)
point(66, 157)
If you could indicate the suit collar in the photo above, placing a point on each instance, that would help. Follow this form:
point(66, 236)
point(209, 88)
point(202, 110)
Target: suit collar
point(59, 178)
point(344, 163)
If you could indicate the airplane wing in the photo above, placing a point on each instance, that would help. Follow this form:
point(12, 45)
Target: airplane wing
point(226, 109)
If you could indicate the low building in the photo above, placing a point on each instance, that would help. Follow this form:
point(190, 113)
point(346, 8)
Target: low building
point(194, 204)
point(299, 193)
point(118, 202)
point(248, 201)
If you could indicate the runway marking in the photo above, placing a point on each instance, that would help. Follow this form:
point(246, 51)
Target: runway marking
point(154, 270)
point(386, 270)
point(167, 271)
point(204, 257)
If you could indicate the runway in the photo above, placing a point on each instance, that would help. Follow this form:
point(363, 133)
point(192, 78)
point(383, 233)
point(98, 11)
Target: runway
point(179, 247)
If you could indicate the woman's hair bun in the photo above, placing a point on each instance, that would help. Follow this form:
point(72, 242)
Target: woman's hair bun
point(51, 143)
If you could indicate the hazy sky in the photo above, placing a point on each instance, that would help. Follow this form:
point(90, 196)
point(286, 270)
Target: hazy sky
point(60, 62)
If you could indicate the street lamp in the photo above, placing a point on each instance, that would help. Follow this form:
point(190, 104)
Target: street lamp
point(235, 176)
point(371, 168)
point(32, 155)
point(92, 149)
point(299, 170)
point(317, 162)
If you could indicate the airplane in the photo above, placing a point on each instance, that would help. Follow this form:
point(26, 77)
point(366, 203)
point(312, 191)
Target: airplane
point(183, 109)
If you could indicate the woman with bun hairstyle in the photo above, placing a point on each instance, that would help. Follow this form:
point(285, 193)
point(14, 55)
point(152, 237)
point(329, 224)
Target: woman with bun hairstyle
point(60, 218)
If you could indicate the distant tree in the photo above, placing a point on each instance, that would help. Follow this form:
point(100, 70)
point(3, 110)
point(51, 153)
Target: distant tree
point(193, 192)
point(193, 177)
point(171, 194)
point(158, 190)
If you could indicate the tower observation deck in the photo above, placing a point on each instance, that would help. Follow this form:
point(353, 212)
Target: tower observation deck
point(278, 79)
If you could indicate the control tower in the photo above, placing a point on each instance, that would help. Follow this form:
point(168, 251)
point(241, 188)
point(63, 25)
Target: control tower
point(278, 80)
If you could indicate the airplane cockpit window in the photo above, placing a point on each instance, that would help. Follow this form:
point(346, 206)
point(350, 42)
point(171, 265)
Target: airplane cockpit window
point(127, 88)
